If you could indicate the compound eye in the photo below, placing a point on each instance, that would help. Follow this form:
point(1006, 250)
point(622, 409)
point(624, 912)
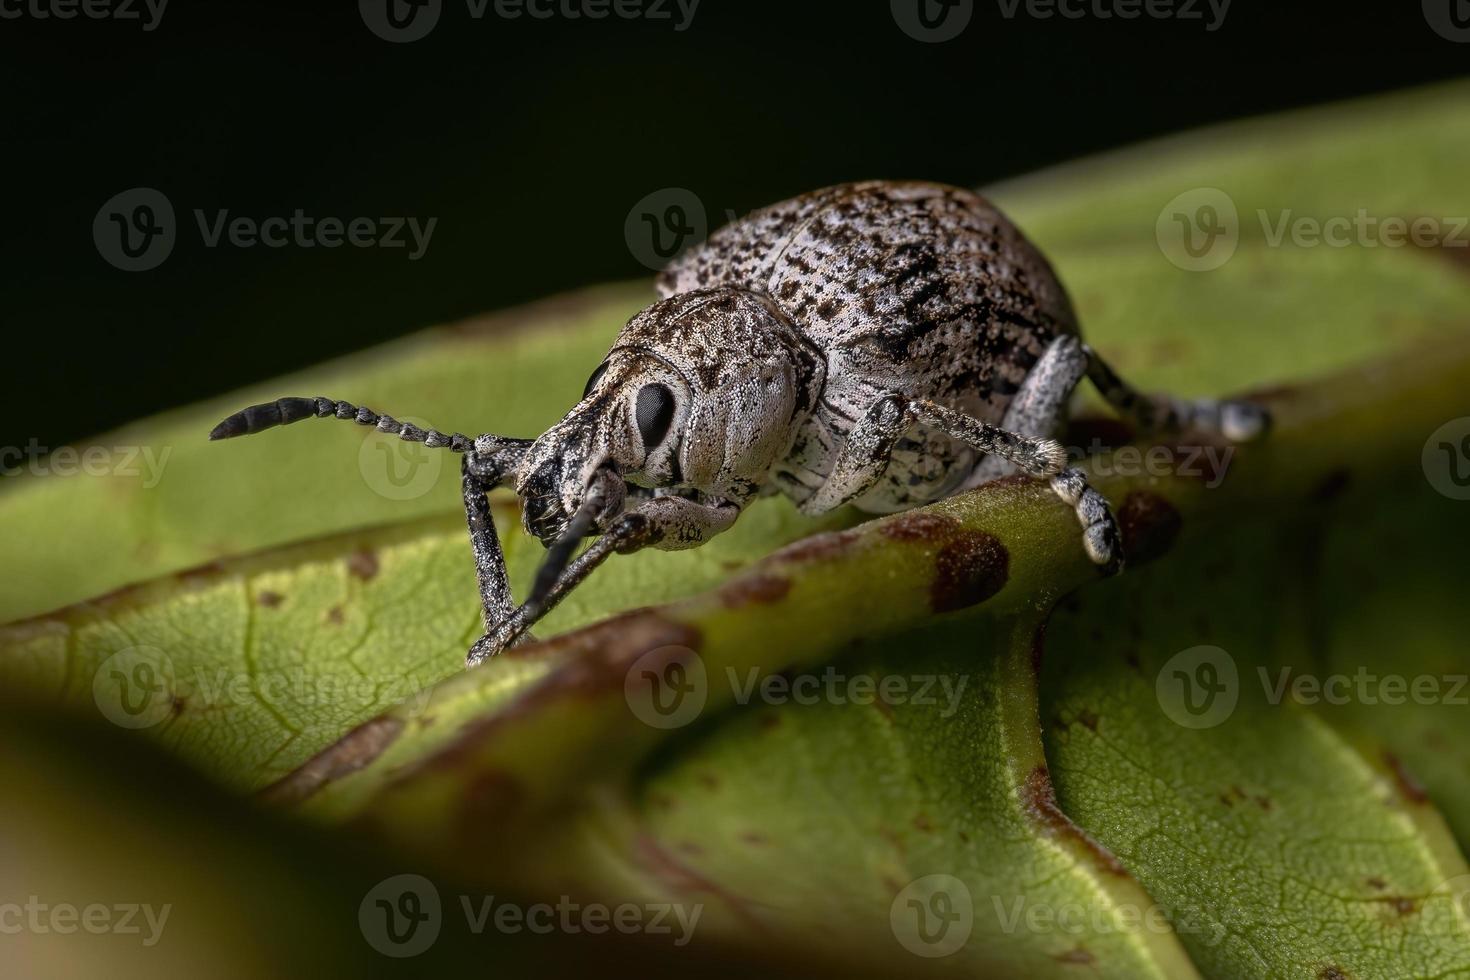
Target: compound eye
point(596, 377)
point(655, 412)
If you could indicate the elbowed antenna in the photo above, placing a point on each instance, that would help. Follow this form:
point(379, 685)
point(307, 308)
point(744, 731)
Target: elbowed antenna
point(284, 411)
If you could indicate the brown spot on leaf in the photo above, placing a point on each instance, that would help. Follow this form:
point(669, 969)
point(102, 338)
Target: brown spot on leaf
point(1078, 957)
point(1333, 973)
point(1409, 787)
point(1087, 719)
point(1039, 800)
point(1149, 524)
point(363, 564)
point(759, 588)
point(1402, 905)
point(919, 526)
point(970, 569)
point(334, 615)
point(348, 754)
point(1377, 884)
point(826, 545)
point(754, 839)
point(923, 823)
point(268, 599)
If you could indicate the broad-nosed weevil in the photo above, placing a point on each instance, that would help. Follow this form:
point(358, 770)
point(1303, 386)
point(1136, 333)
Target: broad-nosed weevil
point(882, 344)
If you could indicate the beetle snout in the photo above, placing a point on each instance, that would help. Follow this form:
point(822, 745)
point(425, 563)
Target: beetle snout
point(554, 490)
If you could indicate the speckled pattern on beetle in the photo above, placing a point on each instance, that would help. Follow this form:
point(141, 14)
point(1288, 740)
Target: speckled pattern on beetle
point(882, 344)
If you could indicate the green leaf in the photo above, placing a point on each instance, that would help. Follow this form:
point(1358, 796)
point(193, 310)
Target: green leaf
point(1071, 818)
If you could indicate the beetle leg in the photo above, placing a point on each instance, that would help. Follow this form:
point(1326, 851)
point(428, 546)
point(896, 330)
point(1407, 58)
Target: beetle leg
point(1038, 457)
point(669, 523)
point(480, 473)
point(1237, 421)
point(1038, 408)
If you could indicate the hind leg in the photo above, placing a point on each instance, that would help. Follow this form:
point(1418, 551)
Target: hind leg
point(1236, 420)
point(1037, 411)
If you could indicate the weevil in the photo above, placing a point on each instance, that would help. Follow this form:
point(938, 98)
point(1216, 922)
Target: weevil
point(882, 344)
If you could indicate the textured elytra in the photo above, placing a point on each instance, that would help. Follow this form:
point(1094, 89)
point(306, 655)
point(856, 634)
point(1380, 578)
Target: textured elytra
point(913, 287)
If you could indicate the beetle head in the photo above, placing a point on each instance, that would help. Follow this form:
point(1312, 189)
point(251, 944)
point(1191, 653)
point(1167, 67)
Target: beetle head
point(701, 391)
point(625, 425)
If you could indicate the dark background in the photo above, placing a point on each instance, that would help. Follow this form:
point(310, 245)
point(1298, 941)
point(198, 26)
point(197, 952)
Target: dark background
point(530, 141)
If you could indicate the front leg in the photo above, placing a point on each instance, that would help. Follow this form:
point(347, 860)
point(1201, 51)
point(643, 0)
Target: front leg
point(480, 473)
point(667, 523)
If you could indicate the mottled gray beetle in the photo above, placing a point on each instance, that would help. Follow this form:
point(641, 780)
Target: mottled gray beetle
point(883, 344)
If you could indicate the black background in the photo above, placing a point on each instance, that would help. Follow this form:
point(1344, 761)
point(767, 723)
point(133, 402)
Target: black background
point(530, 140)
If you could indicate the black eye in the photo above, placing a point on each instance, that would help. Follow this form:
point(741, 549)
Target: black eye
point(596, 377)
point(655, 413)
